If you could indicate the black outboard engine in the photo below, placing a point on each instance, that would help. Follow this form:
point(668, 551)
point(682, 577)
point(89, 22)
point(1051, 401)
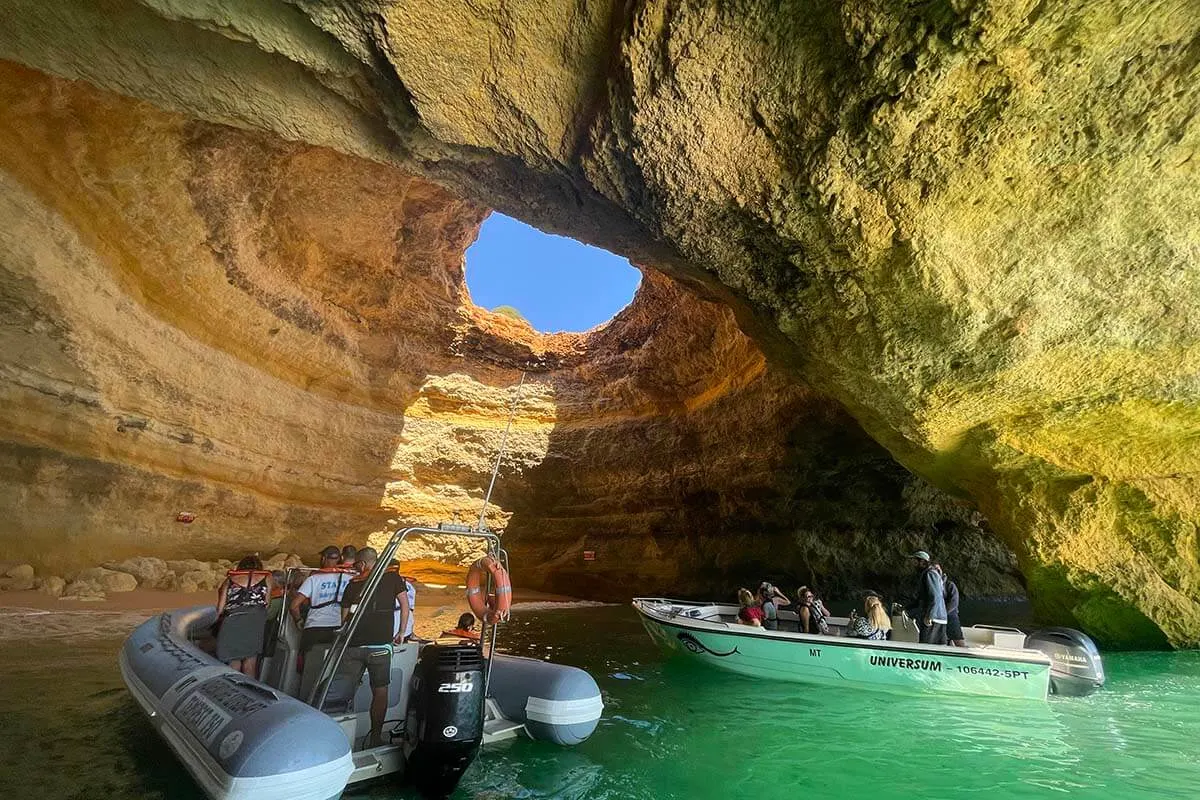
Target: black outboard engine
point(445, 718)
point(1075, 662)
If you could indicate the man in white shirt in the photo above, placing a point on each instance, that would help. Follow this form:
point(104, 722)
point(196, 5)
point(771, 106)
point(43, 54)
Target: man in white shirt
point(412, 602)
point(323, 590)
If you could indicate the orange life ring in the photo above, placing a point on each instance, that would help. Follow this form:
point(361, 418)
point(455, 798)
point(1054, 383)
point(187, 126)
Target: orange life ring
point(494, 607)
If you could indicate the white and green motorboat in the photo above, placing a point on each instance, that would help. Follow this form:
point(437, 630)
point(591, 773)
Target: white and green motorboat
point(1000, 662)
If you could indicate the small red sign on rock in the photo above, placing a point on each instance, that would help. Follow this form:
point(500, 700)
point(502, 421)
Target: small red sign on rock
point(589, 555)
point(185, 517)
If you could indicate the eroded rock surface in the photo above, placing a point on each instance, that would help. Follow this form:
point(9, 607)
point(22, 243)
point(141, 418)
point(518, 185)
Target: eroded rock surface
point(221, 341)
point(971, 224)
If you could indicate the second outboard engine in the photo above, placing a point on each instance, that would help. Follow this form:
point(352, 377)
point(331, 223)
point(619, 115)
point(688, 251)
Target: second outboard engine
point(1076, 669)
point(445, 718)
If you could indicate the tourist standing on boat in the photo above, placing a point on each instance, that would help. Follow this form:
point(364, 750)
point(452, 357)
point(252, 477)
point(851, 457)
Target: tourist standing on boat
point(323, 591)
point(412, 608)
point(954, 631)
point(928, 607)
point(349, 556)
point(242, 615)
point(750, 612)
point(371, 645)
point(770, 598)
point(412, 605)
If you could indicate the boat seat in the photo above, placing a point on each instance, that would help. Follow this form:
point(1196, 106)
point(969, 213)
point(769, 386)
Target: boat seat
point(279, 665)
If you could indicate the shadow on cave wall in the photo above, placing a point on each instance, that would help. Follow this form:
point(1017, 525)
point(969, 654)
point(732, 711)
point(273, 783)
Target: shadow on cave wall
point(767, 482)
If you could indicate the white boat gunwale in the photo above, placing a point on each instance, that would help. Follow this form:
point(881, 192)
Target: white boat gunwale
point(683, 622)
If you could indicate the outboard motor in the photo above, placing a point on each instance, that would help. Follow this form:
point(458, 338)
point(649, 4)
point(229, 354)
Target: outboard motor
point(445, 718)
point(1076, 669)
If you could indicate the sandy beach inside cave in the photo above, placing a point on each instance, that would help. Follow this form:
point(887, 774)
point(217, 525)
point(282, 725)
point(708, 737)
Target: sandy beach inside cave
point(34, 615)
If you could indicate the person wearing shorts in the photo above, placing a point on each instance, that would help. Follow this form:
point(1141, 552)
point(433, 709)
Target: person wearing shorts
point(371, 645)
point(322, 591)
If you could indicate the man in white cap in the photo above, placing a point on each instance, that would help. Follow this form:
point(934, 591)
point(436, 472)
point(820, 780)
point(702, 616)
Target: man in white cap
point(771, 598)
point(928, 607)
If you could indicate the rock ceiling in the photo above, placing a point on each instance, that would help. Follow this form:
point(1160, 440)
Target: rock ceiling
point(972, 227)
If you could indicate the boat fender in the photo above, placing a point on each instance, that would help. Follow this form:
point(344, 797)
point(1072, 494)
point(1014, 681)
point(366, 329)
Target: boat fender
point(556, 703)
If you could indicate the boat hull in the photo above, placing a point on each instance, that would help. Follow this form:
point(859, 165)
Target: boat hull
point(242, 739)
point(786, 656)
point(236, 736)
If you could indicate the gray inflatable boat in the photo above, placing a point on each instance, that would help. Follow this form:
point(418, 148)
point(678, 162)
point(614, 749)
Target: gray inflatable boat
point(301, 737)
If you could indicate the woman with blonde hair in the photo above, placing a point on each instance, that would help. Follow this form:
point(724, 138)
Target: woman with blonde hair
point(750, 613)
point(875, 625)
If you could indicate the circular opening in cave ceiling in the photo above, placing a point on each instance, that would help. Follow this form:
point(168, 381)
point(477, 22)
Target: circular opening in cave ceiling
point(554, 283)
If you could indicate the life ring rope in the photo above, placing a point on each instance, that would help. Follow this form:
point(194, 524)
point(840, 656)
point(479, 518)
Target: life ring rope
point(495, 606)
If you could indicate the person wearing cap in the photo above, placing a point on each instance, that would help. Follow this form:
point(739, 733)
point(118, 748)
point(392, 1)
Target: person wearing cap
point(371, 646)
point(769, 597)
point(928, 607)
point(323, 590)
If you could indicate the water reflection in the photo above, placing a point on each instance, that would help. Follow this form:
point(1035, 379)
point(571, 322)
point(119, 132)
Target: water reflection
point(675, 729)
point(687, 731)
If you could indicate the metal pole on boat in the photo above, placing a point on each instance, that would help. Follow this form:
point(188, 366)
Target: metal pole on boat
point(487, 633)
point(512, 412)
point(337, 650)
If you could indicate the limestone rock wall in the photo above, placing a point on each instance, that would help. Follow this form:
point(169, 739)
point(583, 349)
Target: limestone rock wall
point(276, 340)
point(973, 224)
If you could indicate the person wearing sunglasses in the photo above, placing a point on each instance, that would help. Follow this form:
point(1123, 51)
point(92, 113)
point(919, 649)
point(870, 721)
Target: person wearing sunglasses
point(811, 612)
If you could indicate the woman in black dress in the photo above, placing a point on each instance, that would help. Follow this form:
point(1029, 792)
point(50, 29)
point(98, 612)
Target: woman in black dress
point(242, 615)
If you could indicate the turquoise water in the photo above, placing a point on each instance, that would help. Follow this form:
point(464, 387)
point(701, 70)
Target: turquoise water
point(673, 729)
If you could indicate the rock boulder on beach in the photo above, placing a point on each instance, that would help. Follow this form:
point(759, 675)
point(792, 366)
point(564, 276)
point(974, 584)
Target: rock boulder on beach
point(105, 580)
point(150, 572)
point(20, 572)
point(82, 590)
point(52, 585)
point(17, 579)
point(179, 567)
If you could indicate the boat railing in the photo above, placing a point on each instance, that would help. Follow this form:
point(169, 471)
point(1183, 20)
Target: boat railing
point(337, 651)
point(676, 612)
point(286, 598)
point(697, 603)
point(1005, 628)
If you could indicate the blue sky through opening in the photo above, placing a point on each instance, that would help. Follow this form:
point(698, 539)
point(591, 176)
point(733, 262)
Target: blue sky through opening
point(558, 284)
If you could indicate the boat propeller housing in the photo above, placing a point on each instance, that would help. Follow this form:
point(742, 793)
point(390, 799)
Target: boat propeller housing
point(445, 722)
point(1077, 669)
